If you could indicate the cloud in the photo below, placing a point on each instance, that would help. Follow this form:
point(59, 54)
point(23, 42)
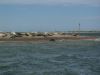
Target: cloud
point(54, 2)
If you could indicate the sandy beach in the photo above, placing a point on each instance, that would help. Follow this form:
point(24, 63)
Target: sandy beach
point(53, 38)
point(41, 36)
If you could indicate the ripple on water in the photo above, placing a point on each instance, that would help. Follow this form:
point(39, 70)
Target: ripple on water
point(50, 58)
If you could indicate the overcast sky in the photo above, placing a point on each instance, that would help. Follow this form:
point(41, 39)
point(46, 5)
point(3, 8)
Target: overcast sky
point(49, 15)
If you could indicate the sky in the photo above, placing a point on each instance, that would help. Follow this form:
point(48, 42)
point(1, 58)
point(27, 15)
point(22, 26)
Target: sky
point(49, 15)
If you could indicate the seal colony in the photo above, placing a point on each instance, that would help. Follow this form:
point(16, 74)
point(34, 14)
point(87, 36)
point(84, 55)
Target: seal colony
point(40, 36)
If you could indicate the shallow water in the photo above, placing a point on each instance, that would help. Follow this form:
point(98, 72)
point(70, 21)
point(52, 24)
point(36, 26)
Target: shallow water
point(50, 58)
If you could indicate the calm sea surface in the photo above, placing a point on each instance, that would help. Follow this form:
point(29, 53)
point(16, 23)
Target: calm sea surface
point(50, 58)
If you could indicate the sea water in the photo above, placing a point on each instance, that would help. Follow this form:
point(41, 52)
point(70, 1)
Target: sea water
point(72, 57)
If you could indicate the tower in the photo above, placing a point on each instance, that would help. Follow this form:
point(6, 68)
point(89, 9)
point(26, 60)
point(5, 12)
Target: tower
point(79, 28)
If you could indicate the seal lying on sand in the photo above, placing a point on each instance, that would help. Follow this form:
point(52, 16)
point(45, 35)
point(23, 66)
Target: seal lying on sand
point(52, 40)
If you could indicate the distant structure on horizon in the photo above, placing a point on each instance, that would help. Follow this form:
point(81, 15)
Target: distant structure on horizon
point(79, 28)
